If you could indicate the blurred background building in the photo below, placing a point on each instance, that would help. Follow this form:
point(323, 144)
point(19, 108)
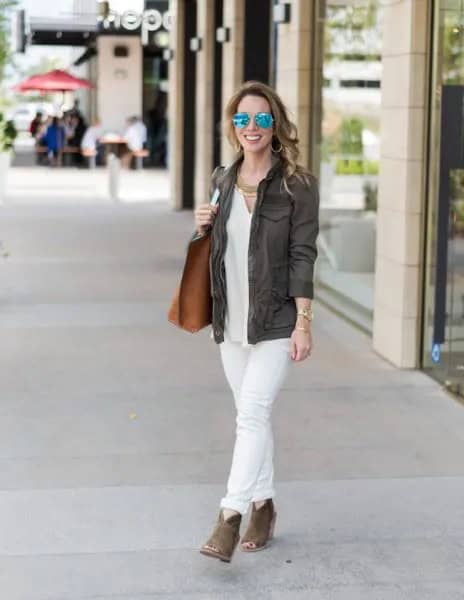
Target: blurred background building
point(376, 89)
point(117, 46)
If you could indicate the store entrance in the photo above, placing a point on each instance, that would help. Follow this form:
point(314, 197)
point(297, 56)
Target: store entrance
point(455, 269)
point(443, 342)
point(155, 103)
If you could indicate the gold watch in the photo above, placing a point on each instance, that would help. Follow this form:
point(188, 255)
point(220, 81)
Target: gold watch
point(307, 313)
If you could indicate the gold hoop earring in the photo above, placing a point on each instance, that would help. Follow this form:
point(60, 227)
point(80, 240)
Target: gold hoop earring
point(277, 150)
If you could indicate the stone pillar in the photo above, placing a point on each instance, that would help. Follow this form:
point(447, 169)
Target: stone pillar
point(175, 103)
point(398, 276)
point(119, 92)
point(295, 68)
point(232, 61)
point(204, 146)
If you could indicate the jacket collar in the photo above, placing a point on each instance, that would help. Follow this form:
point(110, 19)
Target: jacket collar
point(230, 173)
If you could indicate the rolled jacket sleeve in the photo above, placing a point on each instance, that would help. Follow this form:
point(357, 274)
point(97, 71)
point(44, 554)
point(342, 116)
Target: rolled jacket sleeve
point(304, 228)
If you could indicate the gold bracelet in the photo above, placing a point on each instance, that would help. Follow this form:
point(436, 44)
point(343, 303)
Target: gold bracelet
point(307, 313)
point(302, 329)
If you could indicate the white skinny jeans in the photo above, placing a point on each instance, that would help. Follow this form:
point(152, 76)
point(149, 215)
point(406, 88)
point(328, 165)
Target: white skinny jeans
point(255, 374)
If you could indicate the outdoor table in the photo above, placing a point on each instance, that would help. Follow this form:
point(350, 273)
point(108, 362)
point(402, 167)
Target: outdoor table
point(113, 143)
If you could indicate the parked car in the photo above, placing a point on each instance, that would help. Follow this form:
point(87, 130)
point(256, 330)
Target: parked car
point(23, 114)
point(22, 117)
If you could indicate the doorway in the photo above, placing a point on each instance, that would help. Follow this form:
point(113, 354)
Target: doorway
point(443, 330)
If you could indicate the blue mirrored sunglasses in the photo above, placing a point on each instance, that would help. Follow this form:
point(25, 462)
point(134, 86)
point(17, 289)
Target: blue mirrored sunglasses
point(262, 119)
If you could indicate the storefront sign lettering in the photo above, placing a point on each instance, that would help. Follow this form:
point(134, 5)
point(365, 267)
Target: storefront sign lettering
point(131, 20)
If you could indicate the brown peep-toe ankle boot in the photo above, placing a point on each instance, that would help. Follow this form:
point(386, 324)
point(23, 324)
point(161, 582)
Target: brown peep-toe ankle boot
point(260, 529)
point(224, 538)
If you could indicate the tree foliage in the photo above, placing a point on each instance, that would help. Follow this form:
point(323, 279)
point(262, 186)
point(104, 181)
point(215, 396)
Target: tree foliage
point(8, 134)
point(5, 52)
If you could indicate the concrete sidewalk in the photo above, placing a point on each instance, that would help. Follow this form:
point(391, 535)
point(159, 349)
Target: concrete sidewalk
point(70, 185)
point(116, 434)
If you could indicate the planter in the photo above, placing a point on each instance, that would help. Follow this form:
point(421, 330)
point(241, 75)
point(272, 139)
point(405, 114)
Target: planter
point(5, 161)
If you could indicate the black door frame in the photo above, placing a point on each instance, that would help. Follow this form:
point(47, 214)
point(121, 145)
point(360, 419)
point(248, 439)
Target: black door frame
point(189, 106)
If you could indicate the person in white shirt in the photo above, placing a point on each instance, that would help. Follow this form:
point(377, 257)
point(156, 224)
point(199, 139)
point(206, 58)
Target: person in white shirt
point(136, 136)
point(90, 146)
point(141, 128)
point(92, 135)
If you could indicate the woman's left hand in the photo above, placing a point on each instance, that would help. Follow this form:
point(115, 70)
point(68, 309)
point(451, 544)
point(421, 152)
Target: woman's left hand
point(301, 344)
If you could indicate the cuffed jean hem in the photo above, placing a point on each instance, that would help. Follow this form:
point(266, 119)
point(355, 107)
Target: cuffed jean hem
point(241, 507)
point(263, 495)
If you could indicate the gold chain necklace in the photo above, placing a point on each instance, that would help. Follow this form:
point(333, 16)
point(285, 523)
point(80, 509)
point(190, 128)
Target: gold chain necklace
point(245, 188)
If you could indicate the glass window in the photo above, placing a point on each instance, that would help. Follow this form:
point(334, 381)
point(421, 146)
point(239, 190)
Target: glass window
point(348, 154)
point(443, 338)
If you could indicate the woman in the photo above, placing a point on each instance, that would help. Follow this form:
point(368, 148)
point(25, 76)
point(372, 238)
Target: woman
point(263, 248)
point(54, 138)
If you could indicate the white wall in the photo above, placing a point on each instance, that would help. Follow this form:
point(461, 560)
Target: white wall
point(119, 81)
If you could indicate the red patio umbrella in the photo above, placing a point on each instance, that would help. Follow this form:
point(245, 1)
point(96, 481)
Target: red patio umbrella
point(53, 81)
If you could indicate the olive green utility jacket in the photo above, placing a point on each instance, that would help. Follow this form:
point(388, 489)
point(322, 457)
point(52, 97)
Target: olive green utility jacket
point(281, 255)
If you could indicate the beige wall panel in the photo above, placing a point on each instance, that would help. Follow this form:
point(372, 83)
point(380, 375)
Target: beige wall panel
point(396, 339)
point(402, 133)
point(295, 70)
point(399, 236)
point(232, 61)
point(204, 100)
point(408, 70)
point(400, 214)
point(399, 294)
point(404, 23)
point(401, 184)
point(119, 81)
point(175, 103)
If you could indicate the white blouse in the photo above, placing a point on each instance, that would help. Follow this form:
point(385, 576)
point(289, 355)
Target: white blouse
point(236, 267)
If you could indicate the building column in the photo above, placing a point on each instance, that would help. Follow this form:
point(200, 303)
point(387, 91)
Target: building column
point(176, 103)
point(232, 61)
point(119, 80)
point(204, 145)
point(401, 201)
point(296, 71)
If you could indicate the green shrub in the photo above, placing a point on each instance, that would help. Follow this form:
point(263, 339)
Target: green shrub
point(371, 167)
point(354, 166)
point(8, 134)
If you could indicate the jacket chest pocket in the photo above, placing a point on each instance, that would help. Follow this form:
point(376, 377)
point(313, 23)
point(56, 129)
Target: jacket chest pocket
point(274, 230)
point(275, 212)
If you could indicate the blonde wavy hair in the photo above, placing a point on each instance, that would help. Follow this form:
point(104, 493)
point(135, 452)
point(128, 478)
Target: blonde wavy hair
point(285, 135)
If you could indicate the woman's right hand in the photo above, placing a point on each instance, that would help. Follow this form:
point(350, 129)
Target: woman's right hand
point(204, 217)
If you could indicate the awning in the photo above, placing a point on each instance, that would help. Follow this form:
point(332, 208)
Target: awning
point(75, 31)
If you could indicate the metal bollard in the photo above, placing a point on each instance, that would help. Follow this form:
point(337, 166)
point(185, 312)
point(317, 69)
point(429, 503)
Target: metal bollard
point(114, 165)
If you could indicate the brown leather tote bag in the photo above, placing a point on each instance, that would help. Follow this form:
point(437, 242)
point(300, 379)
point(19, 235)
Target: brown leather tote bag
point(191, 307)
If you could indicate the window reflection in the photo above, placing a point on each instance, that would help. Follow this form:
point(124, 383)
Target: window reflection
point(349, 154)
point(447, 70)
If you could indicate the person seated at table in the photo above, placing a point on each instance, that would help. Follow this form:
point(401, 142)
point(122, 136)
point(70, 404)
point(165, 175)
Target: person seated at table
point(90, 140)
point(35, 123)
point(54, 138)
point(135, 136)
point(37, 129)
point(69, 127)
point(79, 126)
point(141, 128)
